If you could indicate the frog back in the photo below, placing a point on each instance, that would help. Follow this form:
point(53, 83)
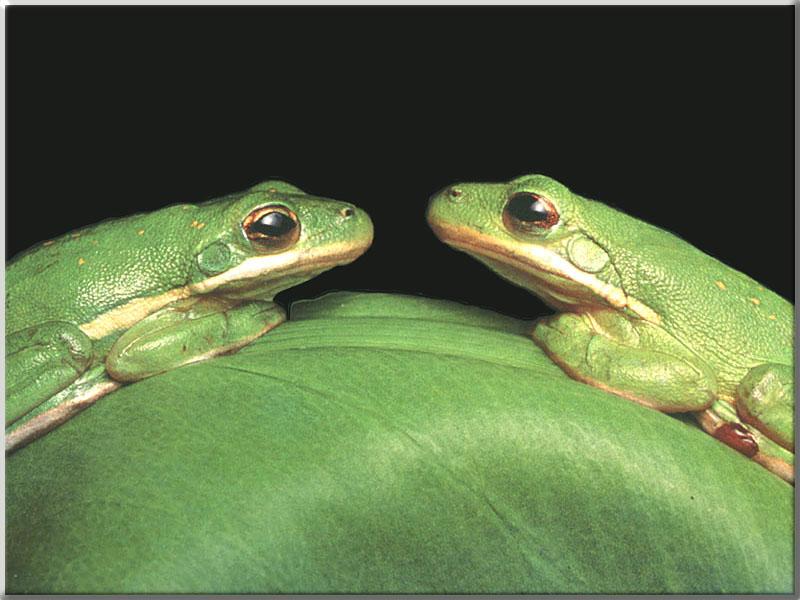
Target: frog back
point(721, 314)
point(87, 272)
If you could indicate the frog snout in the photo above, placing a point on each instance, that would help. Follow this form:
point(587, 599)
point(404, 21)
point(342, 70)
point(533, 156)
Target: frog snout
point(356, 220)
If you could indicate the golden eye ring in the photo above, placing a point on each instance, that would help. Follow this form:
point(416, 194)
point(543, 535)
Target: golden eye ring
point(526, 211)
point(272, 227)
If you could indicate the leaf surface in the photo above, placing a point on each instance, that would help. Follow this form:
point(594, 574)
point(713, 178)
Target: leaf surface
point(380, 443)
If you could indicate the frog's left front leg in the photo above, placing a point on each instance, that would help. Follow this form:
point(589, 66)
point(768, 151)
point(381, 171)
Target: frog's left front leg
point(189, 331)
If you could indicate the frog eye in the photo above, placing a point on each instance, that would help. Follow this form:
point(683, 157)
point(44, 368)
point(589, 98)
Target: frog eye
point(272, 227)
point(526, 210)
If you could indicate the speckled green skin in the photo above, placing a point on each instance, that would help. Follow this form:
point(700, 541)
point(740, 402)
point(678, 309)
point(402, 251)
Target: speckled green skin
point(710, 327)
point(59, 294)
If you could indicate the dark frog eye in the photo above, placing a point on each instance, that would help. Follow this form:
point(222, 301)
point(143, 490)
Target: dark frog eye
point(526, 210)
point(272, 227)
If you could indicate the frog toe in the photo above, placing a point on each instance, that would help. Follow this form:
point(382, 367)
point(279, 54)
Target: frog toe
point(41, 361)
point(765, 400)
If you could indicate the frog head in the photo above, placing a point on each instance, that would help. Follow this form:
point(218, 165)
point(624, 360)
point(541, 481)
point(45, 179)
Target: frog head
point(272, 237)
point(536, 233)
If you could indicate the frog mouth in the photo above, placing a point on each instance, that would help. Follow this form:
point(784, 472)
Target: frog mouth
point(538, 268)
point(267, 275)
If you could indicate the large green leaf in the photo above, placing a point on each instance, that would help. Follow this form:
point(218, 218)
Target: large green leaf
point(379, 443)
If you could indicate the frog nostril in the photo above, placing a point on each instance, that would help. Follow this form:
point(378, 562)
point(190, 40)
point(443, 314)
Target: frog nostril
point(347, 212)
point(454, 192)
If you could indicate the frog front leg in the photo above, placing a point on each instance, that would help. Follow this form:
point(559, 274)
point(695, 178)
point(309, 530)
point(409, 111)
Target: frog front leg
point(639, 361)
point(189, 331)
point(628, 357)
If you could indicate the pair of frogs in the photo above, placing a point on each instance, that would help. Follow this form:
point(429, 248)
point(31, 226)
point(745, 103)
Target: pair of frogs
point(641, 313)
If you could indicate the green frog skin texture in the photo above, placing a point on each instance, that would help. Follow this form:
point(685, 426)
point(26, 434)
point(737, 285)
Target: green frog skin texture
point(640, 313)
point(129, 298)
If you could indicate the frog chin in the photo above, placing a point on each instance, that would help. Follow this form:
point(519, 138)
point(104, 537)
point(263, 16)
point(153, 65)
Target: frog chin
point(259, 289)
point(554, 290)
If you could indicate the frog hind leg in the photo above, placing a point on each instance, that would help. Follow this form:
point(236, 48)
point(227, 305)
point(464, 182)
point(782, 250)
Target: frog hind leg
point(189, 331)
point(628, 357)
point(41, 361)
point(54, 411)
point(722, 422)
point(765, 400)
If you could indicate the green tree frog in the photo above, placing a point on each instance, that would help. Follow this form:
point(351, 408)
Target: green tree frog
point(641, 313)
point(129, 298)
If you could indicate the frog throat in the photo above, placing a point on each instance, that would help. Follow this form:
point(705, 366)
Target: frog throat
point(271, 267)
point(538, 259)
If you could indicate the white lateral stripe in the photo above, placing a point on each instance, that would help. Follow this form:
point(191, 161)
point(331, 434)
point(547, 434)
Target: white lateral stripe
point(128, 314)
point(124, 316)
point(547, 261)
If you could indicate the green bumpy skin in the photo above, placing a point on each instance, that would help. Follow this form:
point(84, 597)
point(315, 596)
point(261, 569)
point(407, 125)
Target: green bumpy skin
point(129, 298)
point(641, 312)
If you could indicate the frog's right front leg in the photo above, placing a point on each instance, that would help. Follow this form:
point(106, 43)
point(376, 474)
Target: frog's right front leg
point(639, 361)
point(189, 331)
point(628, 357)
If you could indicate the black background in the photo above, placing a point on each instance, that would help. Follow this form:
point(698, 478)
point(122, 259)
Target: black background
point(680, 116)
